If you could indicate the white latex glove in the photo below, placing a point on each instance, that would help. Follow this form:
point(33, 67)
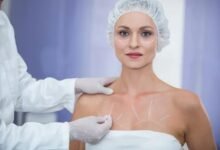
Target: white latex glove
point(93, 85)
point(90, 129)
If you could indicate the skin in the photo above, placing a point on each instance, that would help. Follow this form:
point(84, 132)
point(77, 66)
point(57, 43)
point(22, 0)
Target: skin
point(141, 101)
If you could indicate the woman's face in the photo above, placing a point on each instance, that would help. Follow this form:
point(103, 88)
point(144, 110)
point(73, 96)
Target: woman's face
point(135, 40)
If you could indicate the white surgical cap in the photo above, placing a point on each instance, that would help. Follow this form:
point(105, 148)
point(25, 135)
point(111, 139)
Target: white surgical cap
point(152, 8)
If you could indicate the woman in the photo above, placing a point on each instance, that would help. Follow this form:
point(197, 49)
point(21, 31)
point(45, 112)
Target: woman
point(147, 112)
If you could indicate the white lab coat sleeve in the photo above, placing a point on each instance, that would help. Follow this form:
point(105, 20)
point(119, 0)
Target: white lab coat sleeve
point(34, 136)
point(44, 96)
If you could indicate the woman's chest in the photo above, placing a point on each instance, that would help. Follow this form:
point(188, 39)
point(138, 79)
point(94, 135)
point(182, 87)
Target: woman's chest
point(144, 113)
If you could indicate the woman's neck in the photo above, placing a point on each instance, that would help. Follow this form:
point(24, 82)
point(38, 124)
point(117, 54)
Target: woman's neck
point(136, 81)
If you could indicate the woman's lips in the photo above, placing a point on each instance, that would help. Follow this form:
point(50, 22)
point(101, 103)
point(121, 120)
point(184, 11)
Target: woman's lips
point(134, 55)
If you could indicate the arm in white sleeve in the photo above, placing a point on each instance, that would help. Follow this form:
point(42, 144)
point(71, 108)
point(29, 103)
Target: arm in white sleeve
point(46, 95)
point(34, 96)
point(34, 136)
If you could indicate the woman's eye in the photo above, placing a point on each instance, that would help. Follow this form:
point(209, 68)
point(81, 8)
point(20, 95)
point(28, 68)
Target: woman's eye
point(123, 33)
point(146, 34)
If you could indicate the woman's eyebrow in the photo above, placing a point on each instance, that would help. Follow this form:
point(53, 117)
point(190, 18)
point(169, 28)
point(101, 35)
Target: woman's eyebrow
point(124, 27)
point(146, 27)
point(143, 27)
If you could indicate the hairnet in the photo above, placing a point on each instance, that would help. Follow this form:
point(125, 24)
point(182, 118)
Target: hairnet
point(152, 8)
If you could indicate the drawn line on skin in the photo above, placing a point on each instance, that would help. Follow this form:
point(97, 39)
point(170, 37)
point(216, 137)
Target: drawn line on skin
point(118, 123)
point(119, 117)
point(149, 111)
point(111, 110)
point(135, 112)
point(157, 123)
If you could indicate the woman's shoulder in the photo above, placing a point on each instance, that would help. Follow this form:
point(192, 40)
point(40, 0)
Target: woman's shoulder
point(87, 104)
point(87, 100)
point(180, 95)
point(186, 100)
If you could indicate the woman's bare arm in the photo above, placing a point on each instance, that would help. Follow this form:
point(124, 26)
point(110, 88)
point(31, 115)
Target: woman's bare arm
point(199, 134)
point(83, 108)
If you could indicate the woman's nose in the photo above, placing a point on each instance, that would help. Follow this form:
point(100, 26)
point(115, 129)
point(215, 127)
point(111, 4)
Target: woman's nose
point(134, 42)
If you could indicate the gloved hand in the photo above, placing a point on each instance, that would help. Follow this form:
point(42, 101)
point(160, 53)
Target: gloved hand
point(93, 85)
point(90, 129)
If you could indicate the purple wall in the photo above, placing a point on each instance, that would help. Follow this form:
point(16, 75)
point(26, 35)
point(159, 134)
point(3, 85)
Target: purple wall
point(64, 38)
point(201, 67)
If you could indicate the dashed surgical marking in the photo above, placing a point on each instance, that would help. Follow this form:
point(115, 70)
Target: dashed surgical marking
point(147, 119)
point(111, 110)
point(149, 110)
point(135, 112)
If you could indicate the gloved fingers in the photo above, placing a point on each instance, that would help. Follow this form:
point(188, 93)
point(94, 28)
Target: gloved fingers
point(93, 85)
point(109, 122)
point(90, 129)
point(103, 126)
point(105, 122)
point(103, 119)
point(107, 81)
point(104, 90)
point(100, 119)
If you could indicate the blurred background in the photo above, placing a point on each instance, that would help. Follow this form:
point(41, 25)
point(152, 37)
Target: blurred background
point(67, 38)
